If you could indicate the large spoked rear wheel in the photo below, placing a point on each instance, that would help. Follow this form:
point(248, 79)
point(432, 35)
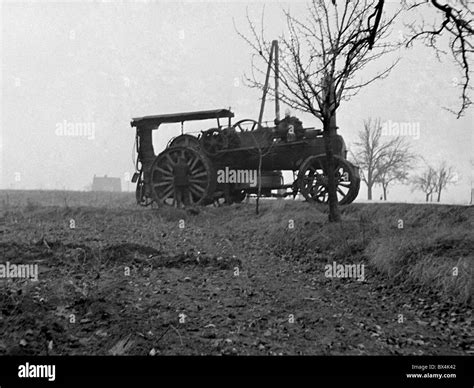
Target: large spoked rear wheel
point(313, 180)
point(202, 179)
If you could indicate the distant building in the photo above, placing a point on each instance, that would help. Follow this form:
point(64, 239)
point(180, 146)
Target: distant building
point(106, 183)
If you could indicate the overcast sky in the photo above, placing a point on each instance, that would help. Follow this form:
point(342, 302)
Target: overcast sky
point(101, 63)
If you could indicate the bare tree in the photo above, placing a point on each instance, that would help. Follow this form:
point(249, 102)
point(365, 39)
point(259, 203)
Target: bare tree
point(445, 175)
point(454, 20)
point(390, 177)
point(319, 60)
point(267, 138)
point(426, 182)
point(381, 161)
point(395, 164)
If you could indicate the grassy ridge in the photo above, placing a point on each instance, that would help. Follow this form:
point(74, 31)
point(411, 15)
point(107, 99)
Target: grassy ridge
point(424, 245)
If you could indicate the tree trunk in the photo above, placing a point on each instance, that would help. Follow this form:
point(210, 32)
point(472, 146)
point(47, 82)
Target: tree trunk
point(384, 187)
point(369, 192)
point(439, 195)
point(329, 133)
point(259, 180)
point(427, 197)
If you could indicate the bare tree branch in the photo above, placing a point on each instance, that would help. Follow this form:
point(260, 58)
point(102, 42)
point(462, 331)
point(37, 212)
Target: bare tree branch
point(338, 41)
point(457, 25)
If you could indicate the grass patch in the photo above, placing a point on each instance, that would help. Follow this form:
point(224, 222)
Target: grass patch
point(433, 241)
point(440, 259)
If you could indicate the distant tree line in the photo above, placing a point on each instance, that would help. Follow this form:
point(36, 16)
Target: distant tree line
point(388, 161)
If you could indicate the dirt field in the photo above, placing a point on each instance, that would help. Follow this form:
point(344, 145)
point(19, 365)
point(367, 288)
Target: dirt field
point(117, 279)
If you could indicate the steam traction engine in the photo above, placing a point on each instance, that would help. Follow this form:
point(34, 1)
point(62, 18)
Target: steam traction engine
point(242, 146)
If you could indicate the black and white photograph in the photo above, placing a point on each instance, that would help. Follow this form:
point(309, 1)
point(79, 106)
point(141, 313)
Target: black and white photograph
point(257, 187)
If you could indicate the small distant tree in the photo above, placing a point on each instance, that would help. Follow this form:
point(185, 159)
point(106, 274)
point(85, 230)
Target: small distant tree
point(445, 175)
point(382, 162)
point(391, 176)
point(395, 164)
point(426, 182)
